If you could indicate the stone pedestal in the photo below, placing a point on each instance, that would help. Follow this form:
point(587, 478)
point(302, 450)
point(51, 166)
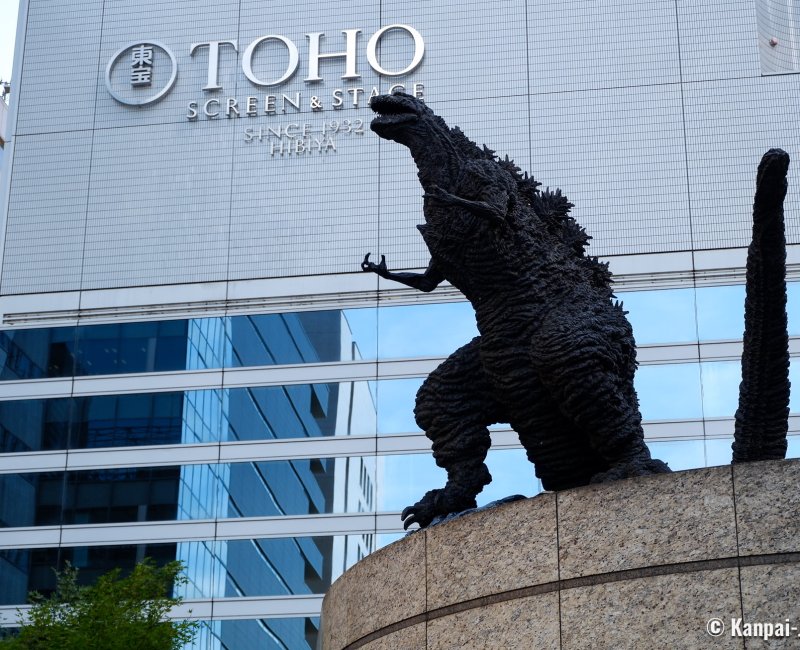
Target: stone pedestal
point(642, 563)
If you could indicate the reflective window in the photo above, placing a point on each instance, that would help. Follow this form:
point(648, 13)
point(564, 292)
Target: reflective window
point(26, 570)
point(388, 332)
point(361, 326)
point(300, 411)
point(512, 473)
point(301, 487)
point(37, 353)
point(661, 316)
point(34, 425)
point(668, 392)
point(425, 330)
point(123, 420)
point(214, 569)
point(32, 499)
point(680, 454)
point(691, 454)
point(266, 633)
point(288, 565)
point(204, 491)
point(200, 416)
point(158, 346)
point(793, 450)
point(396, 400)
point(403, 479)
point(121, 495)
point(718, 451)
point(384, 539)
point(132, 347)
point(720, 313)
point(303, 337)
point(721, 381)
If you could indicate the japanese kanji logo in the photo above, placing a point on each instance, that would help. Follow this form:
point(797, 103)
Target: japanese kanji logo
point(133, 70)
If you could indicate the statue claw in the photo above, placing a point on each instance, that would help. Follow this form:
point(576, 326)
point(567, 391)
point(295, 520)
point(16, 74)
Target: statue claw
point(409, 517)
point(366, 263)
point(368, 266)
point(422, 512)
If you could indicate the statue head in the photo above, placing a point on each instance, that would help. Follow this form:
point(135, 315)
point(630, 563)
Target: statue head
point(436, 148)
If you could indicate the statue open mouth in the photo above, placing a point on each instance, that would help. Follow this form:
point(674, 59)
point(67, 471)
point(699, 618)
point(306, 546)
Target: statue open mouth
point(393, 110)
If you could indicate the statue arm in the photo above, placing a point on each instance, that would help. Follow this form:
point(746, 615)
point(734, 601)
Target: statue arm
point(426, 281)
point(493, 208)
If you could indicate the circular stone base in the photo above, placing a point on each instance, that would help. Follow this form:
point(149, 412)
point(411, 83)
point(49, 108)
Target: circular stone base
point(682, 560)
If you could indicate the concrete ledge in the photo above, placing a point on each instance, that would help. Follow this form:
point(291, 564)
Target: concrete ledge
point(645, 562)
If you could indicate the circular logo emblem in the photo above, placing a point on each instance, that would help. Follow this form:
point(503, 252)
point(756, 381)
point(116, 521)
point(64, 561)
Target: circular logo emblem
point(141, 73)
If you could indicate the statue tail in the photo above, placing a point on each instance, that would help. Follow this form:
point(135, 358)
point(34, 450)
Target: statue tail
point(762, 419)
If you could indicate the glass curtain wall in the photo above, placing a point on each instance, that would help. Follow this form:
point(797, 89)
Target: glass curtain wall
point(336, 443)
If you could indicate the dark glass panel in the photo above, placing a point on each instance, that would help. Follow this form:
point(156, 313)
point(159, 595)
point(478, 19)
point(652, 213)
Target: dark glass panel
point(126, 420)
point(214, 569)
point(37, 353)
point(274, 339)
point(132, 347)
point(121, 495)
point(32, 499)
point(33, 569)
point(34, 425)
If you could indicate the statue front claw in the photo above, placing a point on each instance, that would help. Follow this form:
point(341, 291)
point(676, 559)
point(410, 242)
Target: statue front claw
point(436, 503)
point(422, 512)
point(368, 266)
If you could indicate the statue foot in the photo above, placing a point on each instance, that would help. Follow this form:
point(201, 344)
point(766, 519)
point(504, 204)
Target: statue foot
point(436, 503)
point(631, 468)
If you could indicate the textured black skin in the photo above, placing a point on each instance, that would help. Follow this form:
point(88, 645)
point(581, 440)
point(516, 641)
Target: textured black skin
point(762, 419)
point(555, 357)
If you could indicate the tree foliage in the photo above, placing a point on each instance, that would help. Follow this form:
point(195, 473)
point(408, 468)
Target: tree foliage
point(115, 613)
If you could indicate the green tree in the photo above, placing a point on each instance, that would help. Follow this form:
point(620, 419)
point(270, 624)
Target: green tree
point(115, 613)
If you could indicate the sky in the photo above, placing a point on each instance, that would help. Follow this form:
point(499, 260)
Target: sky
point(8, 31)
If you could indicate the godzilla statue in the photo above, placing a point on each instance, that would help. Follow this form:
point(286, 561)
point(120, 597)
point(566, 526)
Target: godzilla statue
point(555, 357)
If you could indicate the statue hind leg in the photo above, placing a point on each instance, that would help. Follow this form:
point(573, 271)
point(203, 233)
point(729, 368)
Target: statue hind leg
point(454, 407)
point(588, 365)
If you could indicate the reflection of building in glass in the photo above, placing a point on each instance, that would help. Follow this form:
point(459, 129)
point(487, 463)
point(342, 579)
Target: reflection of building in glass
point(192, 364)
point(189, 492)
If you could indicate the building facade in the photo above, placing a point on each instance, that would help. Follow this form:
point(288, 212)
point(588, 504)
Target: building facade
point(193, 365)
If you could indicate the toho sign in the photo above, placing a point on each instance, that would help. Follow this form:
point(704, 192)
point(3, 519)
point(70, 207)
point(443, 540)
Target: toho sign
point(314, 55)
point(138, 61)
point(143, 72)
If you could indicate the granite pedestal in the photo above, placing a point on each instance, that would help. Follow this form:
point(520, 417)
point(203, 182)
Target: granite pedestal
point(641, 563)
